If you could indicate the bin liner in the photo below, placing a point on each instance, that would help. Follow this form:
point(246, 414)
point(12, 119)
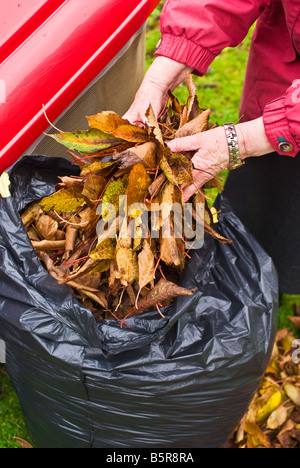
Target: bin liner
point(183, 381)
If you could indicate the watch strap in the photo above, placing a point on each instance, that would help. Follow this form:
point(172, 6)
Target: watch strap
point(233, 146)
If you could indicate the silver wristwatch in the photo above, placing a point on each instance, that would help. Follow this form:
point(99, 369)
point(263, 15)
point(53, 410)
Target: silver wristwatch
point(233, 145)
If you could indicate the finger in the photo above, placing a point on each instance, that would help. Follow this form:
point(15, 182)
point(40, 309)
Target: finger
point(188, 143)
point(136, 120)
point(188, 192)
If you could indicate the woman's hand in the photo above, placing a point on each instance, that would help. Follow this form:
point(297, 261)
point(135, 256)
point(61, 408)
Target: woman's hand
point(163, 75)
point(212, 155)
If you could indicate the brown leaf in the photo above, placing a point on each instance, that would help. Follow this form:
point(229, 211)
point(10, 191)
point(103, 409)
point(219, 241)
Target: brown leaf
point(163, 293)
point(71, 181)
point(156, 185)
point(71, 234)
point(59, 273)
point(47, 227)
point(23, 443)
point(216, 235)
point(152, 122)
point(98, 297)
point(193, 109)
point(132, 134)
point(197, 125)
point(127, 265)
point(81, 286)
point(88, 266)
point(112, 123)
point(106, 121)
point(146, 264)
point(277, 418)
point(296, 416)
point(49, 245)
point(145, 153)
point(175, 104)
point(295, 321)
point(170, 252)
point(284, 436)
point(93, 186)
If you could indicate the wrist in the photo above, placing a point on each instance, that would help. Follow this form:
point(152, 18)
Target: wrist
point(165, 73)
point(252, 139)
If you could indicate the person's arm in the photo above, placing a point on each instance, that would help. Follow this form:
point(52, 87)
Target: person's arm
point(193, 33)
point(278, 130)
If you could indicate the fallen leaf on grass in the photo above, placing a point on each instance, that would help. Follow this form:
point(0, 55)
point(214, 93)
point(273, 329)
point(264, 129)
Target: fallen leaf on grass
point(293, 393)
point(277, 418)
point(23, 443)
point(273, 416)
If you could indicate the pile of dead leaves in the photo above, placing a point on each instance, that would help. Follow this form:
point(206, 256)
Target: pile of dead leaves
point(273, 418)
point(124, 269)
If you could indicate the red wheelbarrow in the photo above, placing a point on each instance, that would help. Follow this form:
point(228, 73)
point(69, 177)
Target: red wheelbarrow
point(54, 54)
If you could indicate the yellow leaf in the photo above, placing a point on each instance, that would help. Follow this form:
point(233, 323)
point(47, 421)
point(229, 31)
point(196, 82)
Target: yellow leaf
point(104, 251)
point(271, 405)
point(214, 215)
point(96, 166)
point(4, 185)
point(287, 343)
point(138, 185)
point(258, 434)
point(65, 200)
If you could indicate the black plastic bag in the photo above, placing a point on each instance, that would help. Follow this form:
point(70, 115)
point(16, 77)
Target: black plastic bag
point(180, 382)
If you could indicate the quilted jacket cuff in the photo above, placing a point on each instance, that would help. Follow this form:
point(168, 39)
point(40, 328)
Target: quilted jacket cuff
point(278, 130)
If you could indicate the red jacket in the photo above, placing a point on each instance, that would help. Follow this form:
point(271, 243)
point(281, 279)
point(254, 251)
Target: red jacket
point(194, 32)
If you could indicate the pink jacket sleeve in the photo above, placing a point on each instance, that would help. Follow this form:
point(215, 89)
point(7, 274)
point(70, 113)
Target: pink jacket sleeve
point(194, 32)
point(282, 121)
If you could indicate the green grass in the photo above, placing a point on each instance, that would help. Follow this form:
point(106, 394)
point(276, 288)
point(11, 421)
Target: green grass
point(11, 419)
point(219, 90)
